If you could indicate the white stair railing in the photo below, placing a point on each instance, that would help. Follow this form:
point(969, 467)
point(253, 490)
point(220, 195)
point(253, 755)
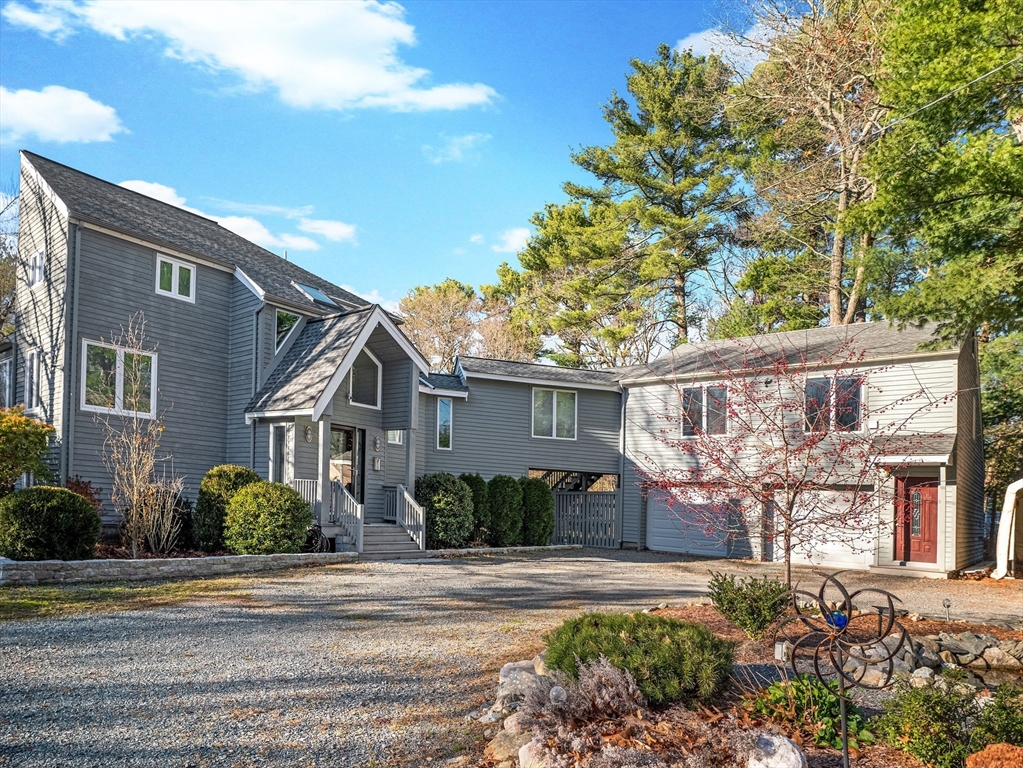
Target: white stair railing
point(348, 513)
point(411, 517)
point(308, 490)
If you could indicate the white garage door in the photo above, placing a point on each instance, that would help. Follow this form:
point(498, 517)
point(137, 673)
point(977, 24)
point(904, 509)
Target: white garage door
point(672, 530)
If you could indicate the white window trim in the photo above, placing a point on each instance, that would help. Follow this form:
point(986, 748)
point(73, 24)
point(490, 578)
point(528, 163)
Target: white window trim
point(33, 394)
point(703, 427)
point(37, 269)
point(380, 382)
point(7, 392)
point(118, 409)
point(176, 265)
point(554, 414)
point(832, 406)
point(291, 330)
point(401, 437)
point(451, 429)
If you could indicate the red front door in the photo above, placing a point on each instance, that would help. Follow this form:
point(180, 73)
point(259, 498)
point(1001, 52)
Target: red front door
point(916, 519)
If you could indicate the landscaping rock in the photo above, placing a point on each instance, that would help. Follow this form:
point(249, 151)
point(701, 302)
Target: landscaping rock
point(996, 658)
point(506, 745)
point(925, 673)
point(873, 678)
point(1013, 647)
point(531, 756)
point(928, 658)
point(772, 751)
point(513, 687)
point(540, 666)
point(949, 658)
point(514, 724)
point(930, 643)
point(512, 666)
point(975, 644)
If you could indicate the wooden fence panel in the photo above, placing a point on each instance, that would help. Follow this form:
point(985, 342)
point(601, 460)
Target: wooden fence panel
point(585, 518)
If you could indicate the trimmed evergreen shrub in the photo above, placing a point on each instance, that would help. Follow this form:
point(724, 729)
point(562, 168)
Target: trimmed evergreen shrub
point(44, 523)
point(752, 604)
point(537, 512)
point(671, 661)
point(266, 518)
point(216, 490)
point(480, 505)
point(184, 512)
point(447, 503)
point(505, 511)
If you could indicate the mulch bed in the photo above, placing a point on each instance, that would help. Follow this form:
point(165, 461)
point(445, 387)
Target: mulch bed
point(109, 550)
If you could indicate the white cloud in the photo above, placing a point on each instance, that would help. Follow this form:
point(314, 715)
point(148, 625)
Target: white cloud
point(374, 297)
point(477, 239)
point(742, 54)
point(512, 240)
point(46, 24)
point(56, 114)
point(337, 55)
point(260, 209)
point(161, 192)
point(337, 231)
point(455, 148)
point(247, 226)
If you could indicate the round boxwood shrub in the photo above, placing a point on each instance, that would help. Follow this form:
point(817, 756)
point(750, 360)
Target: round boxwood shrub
point(537, 512)
point(672, 661)
point(505, 511)
point(216, 490)
point(45, 523)
point(266, 518)
point(480, 505)
point(447, 502)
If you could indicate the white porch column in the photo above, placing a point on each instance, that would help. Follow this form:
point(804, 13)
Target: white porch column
point(323, 470)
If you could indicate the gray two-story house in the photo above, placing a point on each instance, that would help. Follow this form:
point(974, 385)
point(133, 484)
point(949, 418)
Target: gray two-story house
point(249, 359)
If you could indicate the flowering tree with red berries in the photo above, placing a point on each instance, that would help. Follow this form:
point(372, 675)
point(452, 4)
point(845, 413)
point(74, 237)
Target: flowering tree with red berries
point(777, 444)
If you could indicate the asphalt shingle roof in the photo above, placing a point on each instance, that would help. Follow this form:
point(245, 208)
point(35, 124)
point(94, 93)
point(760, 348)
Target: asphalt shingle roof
point(299, 378)
point(836, 344)
point(915, 445)
point(160, 223)
point(449, 381)
point(532, 371)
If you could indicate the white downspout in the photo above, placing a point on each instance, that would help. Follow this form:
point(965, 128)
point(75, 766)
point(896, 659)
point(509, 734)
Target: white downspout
point(1007, 529)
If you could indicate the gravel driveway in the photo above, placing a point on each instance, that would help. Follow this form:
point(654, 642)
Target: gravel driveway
point(372, 664)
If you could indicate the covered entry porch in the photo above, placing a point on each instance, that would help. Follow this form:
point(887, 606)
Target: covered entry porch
point(338, 414)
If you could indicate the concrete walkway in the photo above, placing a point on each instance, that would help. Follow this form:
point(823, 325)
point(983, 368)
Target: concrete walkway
point(352, 665)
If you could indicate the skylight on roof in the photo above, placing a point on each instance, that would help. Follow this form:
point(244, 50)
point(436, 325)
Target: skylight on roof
point(316, 295)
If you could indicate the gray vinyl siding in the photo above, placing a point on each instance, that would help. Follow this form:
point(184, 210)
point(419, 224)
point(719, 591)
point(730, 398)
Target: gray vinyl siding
point(426, 402)
point(969, 462)
point(241, 378)
point(43, 310)
point(492, 433)
point(192, 341)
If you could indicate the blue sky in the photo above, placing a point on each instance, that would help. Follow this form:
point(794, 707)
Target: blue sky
point(382, 145)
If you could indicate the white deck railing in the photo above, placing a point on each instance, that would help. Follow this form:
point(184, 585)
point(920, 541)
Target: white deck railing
point(347, 512)
point(309, 491)
point(410, 516)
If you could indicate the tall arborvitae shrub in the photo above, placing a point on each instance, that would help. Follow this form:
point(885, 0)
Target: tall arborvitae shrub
point(447, 504)
point(505, 511)
point(480, 505)
point(537, 512)
point(216, 490)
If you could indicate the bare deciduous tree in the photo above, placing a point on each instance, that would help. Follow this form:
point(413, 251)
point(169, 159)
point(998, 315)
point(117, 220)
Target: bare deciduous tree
point(144, 500)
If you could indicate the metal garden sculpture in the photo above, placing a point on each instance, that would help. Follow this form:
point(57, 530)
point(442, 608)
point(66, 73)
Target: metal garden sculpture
point(842, 642)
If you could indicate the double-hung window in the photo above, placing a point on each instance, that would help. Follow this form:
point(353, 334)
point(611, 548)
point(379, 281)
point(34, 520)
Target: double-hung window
point(175, 278)
point(554, 413)
point(444, 423)
point(833, 404)
point(6, 396)
point(118, 381)
point(33, 368)
point(396, 436)
point(37, 268)
point(704, 411)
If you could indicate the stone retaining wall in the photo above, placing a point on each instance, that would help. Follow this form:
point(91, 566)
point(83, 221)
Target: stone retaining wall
point(83, 571)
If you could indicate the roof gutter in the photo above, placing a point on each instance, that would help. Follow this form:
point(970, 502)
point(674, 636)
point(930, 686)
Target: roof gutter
point(542, 382)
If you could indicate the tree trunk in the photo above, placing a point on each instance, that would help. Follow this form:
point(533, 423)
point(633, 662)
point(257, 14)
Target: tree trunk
point(681, 309)
point(787, 540)
point(837, 260)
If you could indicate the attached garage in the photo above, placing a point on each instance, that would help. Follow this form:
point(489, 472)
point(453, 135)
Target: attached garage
point(683, 529)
